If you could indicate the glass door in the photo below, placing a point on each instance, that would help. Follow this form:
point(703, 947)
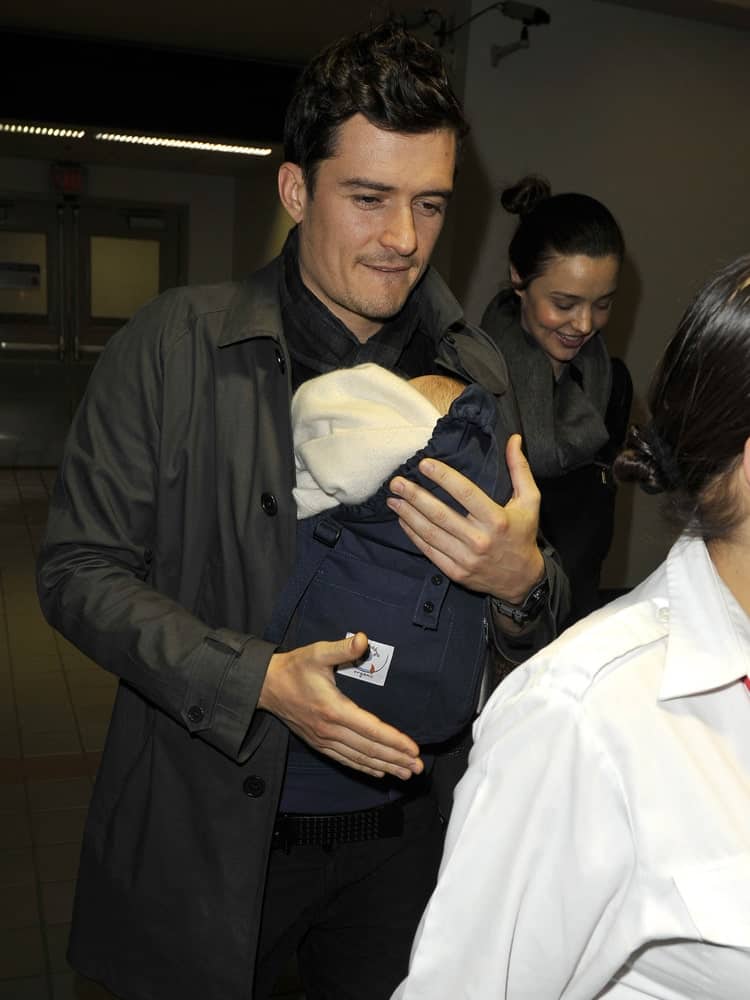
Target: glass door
point(71, 273)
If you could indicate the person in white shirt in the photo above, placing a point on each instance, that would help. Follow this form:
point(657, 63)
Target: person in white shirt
point(599, 845)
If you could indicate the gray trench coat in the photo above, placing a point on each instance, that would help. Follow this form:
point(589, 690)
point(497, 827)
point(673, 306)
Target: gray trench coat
point(171, 531)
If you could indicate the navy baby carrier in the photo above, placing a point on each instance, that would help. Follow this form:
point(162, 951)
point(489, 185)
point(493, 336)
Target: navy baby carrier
point(357, 571)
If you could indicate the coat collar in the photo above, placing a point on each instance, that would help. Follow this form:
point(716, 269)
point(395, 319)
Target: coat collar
point(708, 645)
point(439, 308)
point(255, 310)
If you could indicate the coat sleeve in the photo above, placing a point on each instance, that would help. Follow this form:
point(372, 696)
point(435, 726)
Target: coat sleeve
point(94, 565)
point(473, 355)
point(538, 864)
point(516, 647)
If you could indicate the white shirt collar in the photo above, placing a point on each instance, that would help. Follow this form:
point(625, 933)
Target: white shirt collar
point(708, 645)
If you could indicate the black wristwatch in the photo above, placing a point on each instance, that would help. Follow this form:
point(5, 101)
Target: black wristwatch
point(529, 609)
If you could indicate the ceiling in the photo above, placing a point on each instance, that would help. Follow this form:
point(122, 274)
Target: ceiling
point(160, 66)
point(222, 69)
point(289, 31)
point(730, 13)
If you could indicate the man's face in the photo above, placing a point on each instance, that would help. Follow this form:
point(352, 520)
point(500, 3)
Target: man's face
point(367, 232)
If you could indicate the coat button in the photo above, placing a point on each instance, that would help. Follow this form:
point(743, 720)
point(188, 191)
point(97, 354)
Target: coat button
point(269, 504)
point(428, 607)
point(280, 361)
point(436, 580)
point(253, 786)
point(195, 713)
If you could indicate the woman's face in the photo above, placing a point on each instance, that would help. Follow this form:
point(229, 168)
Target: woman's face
point(568, 303)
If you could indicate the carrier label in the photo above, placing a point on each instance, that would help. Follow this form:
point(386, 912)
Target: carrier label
point(373, 667)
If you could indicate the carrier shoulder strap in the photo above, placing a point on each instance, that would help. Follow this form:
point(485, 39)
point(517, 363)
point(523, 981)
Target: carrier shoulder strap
point(327, 531)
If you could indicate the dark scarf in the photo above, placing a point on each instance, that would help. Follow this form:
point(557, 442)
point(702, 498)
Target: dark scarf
point(563, 419)
point(319, 342)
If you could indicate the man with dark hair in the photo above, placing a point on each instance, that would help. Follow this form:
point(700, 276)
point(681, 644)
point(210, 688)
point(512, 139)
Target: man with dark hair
point(171, 533)
point(398, 84)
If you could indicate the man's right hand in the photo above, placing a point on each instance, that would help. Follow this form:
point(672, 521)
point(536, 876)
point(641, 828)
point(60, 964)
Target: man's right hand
point(300, 690)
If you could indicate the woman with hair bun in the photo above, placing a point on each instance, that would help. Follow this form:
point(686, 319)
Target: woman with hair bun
point(565, 259)
point(599, 844)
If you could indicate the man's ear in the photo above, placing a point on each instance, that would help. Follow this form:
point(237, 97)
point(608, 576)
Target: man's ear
point(746, 463)
point(292, 190)
point(515, 280)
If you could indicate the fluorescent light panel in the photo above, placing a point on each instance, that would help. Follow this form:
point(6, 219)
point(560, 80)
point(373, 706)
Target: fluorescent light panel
point(208, 147)
point(52, 131)
point(48, 130)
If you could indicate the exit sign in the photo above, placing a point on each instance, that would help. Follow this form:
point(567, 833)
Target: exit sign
point(67, 178)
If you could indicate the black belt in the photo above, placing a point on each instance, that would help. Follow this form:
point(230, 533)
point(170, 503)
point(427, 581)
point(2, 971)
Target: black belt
point(303, 830)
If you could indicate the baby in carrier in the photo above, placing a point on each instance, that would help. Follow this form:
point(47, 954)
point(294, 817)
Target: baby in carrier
point(356, 569)
point(354, 426)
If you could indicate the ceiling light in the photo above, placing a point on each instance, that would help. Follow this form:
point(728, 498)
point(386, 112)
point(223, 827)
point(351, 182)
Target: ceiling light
point(197, 144)
point(48, 130)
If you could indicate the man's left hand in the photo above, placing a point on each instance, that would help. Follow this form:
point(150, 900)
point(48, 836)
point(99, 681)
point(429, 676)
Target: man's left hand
point(492, 548)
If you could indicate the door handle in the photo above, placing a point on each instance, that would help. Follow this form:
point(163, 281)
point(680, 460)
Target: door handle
point(25, 345)
point(75, 291)
point(61, 291)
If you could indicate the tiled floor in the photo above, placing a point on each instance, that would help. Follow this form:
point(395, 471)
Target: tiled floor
point(54, 710)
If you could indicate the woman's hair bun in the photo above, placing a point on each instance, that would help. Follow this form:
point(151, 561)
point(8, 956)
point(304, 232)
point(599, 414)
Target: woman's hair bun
point(523, 196)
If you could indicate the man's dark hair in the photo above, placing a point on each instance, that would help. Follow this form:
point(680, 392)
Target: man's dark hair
point(396, 81)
